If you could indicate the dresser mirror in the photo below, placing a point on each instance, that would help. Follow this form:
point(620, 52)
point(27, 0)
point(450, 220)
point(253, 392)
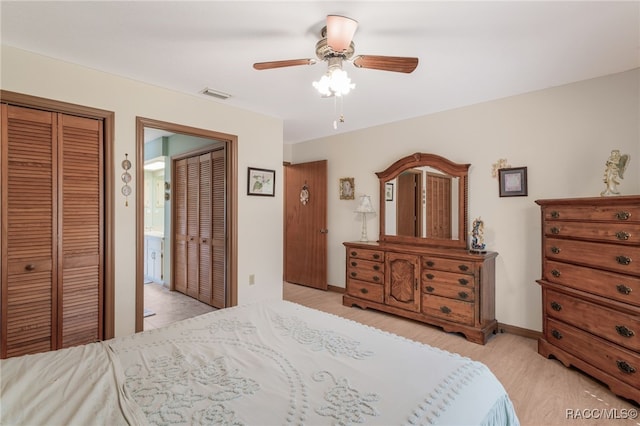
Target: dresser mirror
point(423, 200)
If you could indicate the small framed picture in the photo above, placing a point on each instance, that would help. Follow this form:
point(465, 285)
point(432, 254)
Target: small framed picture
point(513, 182)
point(261, 182)
point(347, 188)
point(388, 191)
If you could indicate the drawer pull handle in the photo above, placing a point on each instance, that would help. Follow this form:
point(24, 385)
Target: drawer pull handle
point(354, 253)
point(623, 215)
point(623, 260)
point(376, 256)
point(556, 306)
point(429, 263)
point(376, 278)
point(30, 267)
point(354, 263)
point(624, 331)
point(623, 289)
point(622, 235)
point(445, 310)
point(429, 289)
point(430, 276)
point(555, 273)
point(463, 267)
point(364, 291)
point(555, 230)
point(463, 281)
point(354, 274)
point(625, 367)
point(556, 334)
point(376, 267)
point(555, 250)
point(555, 214)
point(463, 295)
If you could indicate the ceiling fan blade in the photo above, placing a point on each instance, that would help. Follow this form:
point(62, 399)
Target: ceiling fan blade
point(340, 31)
point(386, 63)
point(281, 64)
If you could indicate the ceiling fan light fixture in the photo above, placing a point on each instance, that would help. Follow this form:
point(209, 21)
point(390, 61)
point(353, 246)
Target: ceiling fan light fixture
point(340, 31)
point(335, 82)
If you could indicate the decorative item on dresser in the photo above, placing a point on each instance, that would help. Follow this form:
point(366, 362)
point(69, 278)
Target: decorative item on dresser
point(591, 288)
point(423, 270)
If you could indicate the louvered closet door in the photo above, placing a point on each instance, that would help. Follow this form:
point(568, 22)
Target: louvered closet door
point(52, 209)
point(218, 229)
point(200, 249)
point(29, 247)
point(81, 222)
point(180, 226)
point(193, 178)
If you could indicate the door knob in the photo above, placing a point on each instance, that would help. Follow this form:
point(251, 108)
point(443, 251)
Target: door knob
point(324, 231)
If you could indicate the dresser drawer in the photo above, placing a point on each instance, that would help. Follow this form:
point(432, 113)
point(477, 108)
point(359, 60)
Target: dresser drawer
point(452, 291)
point(619, 258)
point(624, 288)
point(451, 265)
point(448, 309)
point(612, 359)
point(620, 213)
point(623, 233)
point(618, 327)
point(366, 254)
point(366, 271)
point(435, 276)
point(365, 290)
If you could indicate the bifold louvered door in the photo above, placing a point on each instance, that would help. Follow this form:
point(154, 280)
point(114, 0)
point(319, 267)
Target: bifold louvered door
point(200, 249)
point(52, 240)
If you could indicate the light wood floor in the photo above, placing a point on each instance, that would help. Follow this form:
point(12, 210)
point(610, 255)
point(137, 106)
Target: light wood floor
point(543, 391)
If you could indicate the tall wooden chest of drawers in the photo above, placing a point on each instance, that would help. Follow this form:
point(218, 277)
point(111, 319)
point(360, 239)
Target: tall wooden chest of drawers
point(591, 288)
point(448, 288)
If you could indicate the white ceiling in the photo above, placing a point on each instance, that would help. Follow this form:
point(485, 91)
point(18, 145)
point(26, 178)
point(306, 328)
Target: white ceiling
point(469, 52)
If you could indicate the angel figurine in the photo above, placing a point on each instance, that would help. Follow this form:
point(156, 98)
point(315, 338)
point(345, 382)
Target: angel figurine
point(614, 169)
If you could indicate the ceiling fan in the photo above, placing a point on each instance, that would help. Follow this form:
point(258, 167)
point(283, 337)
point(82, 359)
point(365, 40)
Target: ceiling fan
point(336, 46)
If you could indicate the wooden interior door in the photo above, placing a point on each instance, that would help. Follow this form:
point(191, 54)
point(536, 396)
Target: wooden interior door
point(305, 227)
point(438, 206)
point(408, 204)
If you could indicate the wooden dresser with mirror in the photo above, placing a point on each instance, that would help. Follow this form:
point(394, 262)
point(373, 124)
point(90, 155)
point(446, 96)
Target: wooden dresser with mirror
point(420, 267)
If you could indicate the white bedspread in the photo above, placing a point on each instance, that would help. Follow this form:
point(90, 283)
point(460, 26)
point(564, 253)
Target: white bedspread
point(270, 363)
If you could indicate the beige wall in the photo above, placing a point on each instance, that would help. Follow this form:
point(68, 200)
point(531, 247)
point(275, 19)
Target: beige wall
point(259, 145)
point(562, 135)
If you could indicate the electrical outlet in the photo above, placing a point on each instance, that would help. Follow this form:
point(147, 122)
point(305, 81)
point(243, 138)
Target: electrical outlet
point(252, 279)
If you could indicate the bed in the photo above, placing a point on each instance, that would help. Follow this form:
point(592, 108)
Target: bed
point(264, 363)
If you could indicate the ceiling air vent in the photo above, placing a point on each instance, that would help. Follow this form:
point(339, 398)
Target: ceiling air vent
point(215, 94)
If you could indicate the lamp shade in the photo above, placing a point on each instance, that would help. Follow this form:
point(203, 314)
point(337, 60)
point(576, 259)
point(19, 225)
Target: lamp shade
point(365, 206)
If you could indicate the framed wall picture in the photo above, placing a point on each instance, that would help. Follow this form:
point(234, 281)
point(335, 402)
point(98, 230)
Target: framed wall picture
point(513, 182)
point(347, 188)
point(261, 182)
point(388, 191)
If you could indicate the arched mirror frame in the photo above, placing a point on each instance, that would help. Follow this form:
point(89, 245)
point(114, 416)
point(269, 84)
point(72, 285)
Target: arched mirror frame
point(440, 163)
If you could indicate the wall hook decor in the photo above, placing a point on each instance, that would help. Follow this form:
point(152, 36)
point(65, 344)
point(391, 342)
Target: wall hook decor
point(304, 194)
point(126, 178)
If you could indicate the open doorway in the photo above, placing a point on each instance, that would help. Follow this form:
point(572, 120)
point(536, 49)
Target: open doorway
point(158, 145)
